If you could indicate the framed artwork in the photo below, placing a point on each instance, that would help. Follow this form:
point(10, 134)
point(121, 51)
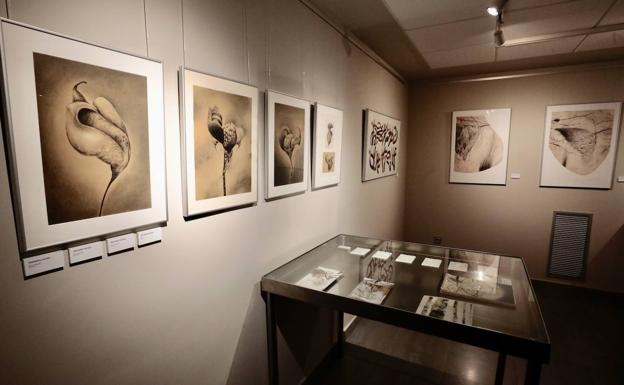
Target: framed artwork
point(479, 146)
point(580, 144)
point(288, 148)
point(380, 155)
point(326, 146)
point(219, 140)
point(86, 137)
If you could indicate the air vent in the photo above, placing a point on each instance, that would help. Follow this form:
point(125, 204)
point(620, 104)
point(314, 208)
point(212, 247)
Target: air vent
point(569, 245)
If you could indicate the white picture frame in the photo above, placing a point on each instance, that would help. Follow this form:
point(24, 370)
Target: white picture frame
point(237, 102)
point(292, 161)
point(483, 158)
point(569, 159)
point(24, 48)
point(327, 146)
point(380, 149)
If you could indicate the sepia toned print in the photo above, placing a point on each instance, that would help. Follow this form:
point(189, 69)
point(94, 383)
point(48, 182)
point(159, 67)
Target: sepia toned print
point(289, 144)
point(477, 145)
point(222, 133)
point(329, 161)
point(581, 140)
point(94, 139)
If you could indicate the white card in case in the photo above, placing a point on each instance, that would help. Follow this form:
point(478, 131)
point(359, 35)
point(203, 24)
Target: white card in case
point(360, 251)
point(458, 266)
point(405, 258)
point(383, 255)
point(432, 262)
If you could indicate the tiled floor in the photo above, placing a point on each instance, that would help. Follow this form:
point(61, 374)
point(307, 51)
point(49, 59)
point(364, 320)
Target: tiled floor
point(586, 329)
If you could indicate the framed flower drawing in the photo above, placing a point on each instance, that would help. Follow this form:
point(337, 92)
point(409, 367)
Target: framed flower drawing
point(85, 130)
point(219, 137)
point(287, 145)
point(327, 143)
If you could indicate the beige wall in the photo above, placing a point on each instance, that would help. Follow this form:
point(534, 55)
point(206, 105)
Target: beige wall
point(188, 310)
point(514, 219)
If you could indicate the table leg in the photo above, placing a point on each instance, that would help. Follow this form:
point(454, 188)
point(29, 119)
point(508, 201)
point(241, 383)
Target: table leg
point(533, 372)
point(339, 333)
point(500, 368)
point(271, 323)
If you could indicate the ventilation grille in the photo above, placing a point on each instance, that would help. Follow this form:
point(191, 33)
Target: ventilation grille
point(569, 245)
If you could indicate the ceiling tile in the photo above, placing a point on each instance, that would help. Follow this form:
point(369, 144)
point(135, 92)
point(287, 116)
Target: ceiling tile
point(413, 14)
point(604, 40)
point(453, 35)
point(553, 47)
point(483, 53)
point(615, 15)
point(554, 18)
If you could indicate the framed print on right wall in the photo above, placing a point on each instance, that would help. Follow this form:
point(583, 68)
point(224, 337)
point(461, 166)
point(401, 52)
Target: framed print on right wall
point(479, 146)
point(580, 144)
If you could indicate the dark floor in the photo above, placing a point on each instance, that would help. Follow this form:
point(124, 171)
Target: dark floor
point(586, 330)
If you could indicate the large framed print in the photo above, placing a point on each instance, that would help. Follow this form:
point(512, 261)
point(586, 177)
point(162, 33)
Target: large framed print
point(86, 136)
point(580, 145)
point(287, 145)
point(380, 155)
point(480, 146)
point(219, 142)
point(327, 145)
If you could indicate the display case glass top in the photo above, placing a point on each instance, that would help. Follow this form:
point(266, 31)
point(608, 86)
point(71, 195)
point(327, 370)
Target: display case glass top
point(437, 289)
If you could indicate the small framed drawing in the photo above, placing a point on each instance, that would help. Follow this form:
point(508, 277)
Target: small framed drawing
point(580, 145)
point(326, 146)
point(288, 148)
point(86, 135)
point(479, 146)
point(219, 142)
point(380, 155)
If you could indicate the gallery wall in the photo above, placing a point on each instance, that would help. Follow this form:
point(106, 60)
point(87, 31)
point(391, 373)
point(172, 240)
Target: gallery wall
point(515, 219)
point(188, 310)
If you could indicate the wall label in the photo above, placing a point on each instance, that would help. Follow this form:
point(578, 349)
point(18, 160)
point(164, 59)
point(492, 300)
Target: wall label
point(44, 263)
point(147, 237)
point(121, 243)
point(85, 253)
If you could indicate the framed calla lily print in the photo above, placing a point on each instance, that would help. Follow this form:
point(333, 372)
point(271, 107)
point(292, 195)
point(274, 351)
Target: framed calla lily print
point(288, 145)
point(219, 131)
point(85, 129)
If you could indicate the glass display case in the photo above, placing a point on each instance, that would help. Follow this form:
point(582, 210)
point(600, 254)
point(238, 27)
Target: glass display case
point(471, 297)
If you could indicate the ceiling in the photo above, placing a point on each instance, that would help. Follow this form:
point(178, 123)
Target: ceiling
point(431, 38)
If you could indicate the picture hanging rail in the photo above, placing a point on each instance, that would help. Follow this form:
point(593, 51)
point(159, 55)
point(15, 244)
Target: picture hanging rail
point(86, 137)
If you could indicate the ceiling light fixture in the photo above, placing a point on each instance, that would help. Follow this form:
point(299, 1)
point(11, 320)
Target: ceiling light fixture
point(492, 11)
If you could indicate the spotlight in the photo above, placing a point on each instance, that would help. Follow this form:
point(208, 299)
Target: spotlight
point(492, 11)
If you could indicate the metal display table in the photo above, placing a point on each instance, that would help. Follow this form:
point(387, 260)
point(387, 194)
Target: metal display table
point(504, 314)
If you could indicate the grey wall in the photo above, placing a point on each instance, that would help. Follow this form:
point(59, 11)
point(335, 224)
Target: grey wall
point(514, 219)
point(189, 310)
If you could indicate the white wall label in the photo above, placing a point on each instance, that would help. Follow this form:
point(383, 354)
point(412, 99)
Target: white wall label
point(620, 179)
point(146, 237)
point(43, 263)
point(86, 252)
point(120, 243)
point(515, 175)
